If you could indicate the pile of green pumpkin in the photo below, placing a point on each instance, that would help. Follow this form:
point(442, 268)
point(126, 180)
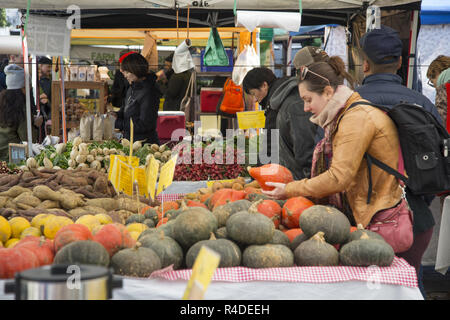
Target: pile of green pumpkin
point(245, 237)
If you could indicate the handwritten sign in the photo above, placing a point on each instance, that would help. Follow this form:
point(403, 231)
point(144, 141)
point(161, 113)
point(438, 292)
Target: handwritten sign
point(139, 176)
point(152, 176)
point(166, 174)
point(251, 119)
point(125, 178)
point(203, 270)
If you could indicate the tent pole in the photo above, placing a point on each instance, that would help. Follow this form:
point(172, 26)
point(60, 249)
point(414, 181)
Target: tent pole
point(27, 94)
point(412, 47)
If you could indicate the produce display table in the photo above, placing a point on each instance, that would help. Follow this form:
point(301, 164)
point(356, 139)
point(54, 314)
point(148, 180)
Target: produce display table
point(396, 282)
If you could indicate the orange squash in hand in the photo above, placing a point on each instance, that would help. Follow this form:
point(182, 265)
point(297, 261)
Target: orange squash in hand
point(270, 173)
point(292, 210)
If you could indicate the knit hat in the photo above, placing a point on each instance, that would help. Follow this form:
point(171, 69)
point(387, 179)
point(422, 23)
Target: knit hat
point(15, 77)
point(308, 55)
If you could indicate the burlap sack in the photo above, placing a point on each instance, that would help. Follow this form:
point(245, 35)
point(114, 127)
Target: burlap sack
point(86, 128)
point(108, 126)
point(97, 132)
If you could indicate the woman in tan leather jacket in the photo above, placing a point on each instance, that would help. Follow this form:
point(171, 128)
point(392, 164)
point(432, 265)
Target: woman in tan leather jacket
point(339, 174)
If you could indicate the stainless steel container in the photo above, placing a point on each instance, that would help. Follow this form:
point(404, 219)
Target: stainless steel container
point(64, 282)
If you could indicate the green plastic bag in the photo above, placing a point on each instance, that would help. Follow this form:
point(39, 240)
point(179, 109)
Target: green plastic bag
point(215, 54)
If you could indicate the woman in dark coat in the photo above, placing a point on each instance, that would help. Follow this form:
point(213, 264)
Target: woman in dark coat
point(141, 101)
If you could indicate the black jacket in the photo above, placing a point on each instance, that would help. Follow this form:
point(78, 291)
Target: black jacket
point(118, 89)
point(141, 104)
point(175, 90)
point(296, 142)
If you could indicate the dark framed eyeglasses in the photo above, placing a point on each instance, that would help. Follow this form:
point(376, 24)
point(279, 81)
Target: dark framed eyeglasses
point(304, 71)
point(431, 84)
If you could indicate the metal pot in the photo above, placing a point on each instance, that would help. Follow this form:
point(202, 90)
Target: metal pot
point(64, 282)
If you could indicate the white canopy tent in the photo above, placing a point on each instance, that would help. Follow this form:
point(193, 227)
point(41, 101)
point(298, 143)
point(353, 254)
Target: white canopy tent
point(202, 4)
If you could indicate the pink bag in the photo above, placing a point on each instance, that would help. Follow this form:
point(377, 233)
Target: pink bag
point(395, 225)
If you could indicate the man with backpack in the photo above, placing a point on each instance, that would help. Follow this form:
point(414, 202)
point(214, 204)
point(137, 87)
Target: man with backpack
point(284, 111)
point(382, 53)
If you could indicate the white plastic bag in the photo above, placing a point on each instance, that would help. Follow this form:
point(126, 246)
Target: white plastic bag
point(247, 60)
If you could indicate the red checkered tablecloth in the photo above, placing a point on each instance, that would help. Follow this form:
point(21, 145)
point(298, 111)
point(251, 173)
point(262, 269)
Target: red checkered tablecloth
point(170, 197)
point(398, 273)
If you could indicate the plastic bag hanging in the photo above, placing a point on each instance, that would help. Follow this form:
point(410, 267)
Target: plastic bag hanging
point(182, 58)
point(247, 60)
point(215, 54)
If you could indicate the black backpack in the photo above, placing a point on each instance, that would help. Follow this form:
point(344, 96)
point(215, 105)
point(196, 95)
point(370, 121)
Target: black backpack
point(425, 147)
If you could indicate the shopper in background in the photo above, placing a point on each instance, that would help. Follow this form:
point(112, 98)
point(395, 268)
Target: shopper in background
point(120, 84)
point(45, 86)
point(339, 173)
point(141, 100)
point(284, 111)
point(13, 123)
point(173, 85)
point(3, 64)
point(438, 74)
point(382, 54)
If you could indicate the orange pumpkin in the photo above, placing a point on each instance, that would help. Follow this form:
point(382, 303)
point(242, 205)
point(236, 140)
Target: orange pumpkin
point(71, 233)
point(249, 190)
point(293, 233)
point(192, 203)
point(223, 196)
point(14, 260)
point(292, 210)
point(272, 210)
point(271, 172)
point(162, 221)
point(114, 237)
point(353, 229)
point(169, 205)
point(40, 248)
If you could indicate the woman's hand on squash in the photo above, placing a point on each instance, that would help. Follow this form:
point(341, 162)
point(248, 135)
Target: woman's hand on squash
point(278, 192)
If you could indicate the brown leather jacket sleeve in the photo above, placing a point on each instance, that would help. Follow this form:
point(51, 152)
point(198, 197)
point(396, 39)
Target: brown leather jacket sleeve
point(353, 137)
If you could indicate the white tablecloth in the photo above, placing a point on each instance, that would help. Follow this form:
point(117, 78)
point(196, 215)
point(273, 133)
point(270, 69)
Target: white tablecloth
point(443, 248)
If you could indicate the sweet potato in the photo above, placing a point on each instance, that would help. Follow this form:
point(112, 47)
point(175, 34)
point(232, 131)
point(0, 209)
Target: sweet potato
point(70, 200)
point(3, 201)
point(101, 185)
point(73, 181)
point(23, 206)
point(14, 192)
point(77, 212)
point(7, 212)
point(94, 210)
point(45, 193)
point(48, 204)
point(130, 205)
point(27, 198)
point(108, 204)
point(5, 179)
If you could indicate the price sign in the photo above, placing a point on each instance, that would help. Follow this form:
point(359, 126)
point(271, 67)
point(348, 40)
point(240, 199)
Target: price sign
point(166, 175)
point(125, 178)
point(139, 175)
point(152, 176)
point(251, 119)
point(203, 270)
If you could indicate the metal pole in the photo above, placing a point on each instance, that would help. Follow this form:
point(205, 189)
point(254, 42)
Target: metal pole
point(27, 95)
point(412, 48)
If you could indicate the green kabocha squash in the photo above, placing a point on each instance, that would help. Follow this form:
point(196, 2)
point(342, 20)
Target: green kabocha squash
point(267, 256)
point(168, 250)
point(366, 252)
point(221, 233)
point(172, 214)
point(168, 228)
point(223, 212)
point(135, 218)
point(297, 241)
point(316, 252)
point(193, 225)
point(230, 254)
point(332, 222)
point(253, 197)
point(82, 252)
point(250, 227)
point(356, 235)
point(279, 237)
point(135, 262)
point(147, 232)
point(149, 223)
point(151, 213)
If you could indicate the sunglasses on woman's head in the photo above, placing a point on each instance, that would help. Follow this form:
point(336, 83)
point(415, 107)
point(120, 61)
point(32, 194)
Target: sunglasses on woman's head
point(304, 71)
point(431, 84)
